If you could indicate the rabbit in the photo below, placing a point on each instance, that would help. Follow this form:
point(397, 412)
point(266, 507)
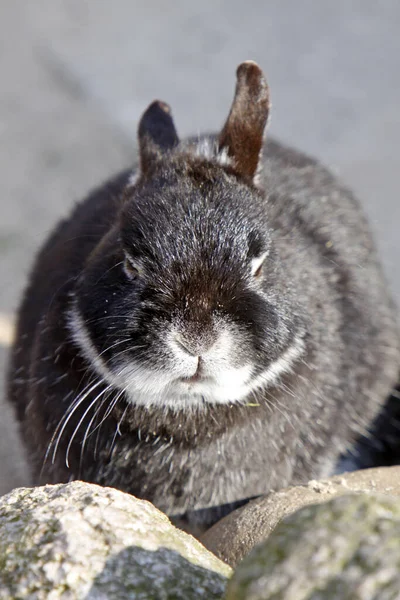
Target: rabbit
point(207, 327)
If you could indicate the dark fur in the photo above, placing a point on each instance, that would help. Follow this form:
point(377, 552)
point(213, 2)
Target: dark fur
point(194, 225)
point(243, 137)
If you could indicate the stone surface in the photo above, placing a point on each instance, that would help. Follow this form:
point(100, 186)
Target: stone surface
point(234, 536)
point(345, 549)
point(83, 542)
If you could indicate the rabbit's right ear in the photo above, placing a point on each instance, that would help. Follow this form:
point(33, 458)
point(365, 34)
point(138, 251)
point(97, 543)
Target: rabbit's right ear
point(157, 135)
point(242, 136)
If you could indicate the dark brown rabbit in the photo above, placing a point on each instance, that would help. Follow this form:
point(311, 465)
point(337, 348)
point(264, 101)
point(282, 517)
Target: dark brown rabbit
point(207, 327)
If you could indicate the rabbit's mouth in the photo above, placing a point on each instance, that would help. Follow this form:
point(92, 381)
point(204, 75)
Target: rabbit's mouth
point(196, 378)
point(199, 376)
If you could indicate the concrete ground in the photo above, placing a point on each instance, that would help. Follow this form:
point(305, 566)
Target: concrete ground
point(75, 76)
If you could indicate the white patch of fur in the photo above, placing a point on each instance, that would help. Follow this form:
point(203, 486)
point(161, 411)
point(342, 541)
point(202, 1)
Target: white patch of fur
point(133, 178)
point(222, 382)
point(149, 388)
point(257, 262)
point(223, 157)
point(257, 179)
point(205, 148)
point(282, 365)
point(208, 148)
point(81, 337)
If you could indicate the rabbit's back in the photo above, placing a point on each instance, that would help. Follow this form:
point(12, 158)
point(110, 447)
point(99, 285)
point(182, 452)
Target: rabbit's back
point(326, 245)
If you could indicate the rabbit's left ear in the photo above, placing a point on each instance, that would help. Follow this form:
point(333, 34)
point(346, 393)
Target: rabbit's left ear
point(156, 133)
point(242, 136)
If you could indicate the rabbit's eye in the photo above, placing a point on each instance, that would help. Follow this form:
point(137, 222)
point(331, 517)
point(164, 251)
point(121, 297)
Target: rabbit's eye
point(258, 272)
point(132, 271)
point(257, 266)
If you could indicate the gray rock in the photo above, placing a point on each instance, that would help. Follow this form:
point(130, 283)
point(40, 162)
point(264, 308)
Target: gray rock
point(234, 536)
point(81, 541)
point(345, 549)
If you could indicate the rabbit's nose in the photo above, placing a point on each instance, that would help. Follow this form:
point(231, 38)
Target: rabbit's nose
point(195, 345)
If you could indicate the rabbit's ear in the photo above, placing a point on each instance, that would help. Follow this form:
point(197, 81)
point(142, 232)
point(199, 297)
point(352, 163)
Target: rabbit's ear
point(243, 133)
point(157, 134)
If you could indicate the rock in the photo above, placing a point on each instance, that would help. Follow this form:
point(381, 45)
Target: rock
point(81, 541)
point(345, 549)
point(234, 536)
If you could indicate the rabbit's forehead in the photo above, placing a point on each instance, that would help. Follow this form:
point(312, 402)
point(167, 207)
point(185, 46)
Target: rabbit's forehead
point(188, 219)
point(209, 240)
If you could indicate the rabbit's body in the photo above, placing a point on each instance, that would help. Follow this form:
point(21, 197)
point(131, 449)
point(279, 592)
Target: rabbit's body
point(242, 343)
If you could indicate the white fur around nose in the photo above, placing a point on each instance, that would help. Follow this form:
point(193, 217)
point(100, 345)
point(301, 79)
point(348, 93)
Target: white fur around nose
point(222, 381)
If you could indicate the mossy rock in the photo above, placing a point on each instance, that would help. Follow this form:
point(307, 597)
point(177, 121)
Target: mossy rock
point(345, 549)
point(81, 541)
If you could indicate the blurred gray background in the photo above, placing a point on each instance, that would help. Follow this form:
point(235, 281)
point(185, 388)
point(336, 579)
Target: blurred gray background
point(75, 76)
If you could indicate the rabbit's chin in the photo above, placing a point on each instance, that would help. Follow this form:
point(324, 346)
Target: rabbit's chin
point(147, 387)
point(156, 388)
